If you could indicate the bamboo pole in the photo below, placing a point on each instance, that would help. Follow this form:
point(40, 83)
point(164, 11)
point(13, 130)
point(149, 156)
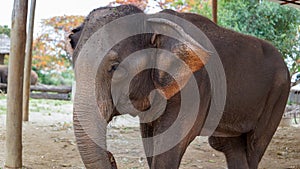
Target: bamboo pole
point(13, 154)
point(215, 10)
point(28, 59)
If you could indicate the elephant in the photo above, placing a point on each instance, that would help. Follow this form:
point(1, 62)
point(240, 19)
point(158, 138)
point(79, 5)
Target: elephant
point(4, 75)
point(33, 78)
point(257, 88)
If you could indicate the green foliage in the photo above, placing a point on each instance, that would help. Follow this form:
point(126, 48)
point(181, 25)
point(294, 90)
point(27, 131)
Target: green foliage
point(201, 7)
point(5, 30)
point(277, 24)
point(56, 78)
point(270, 21)
point(6, 57)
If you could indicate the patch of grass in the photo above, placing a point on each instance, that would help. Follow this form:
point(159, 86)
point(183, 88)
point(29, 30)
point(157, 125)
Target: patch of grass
point(2, 96)
point(49, 106)
point(41, 106)
point(3, 110)
point(2, 104)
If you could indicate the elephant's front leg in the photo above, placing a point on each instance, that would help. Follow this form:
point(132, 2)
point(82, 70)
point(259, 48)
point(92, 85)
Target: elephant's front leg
point(170, 159)
point(158, 154)
point(147, 132)
point(163, 148)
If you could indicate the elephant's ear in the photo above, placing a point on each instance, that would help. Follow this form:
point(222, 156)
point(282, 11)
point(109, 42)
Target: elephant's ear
point(75, 35)
point(194, 55)
point(73, 40)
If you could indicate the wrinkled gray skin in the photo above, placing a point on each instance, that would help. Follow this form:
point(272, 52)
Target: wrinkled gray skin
point(257, 90)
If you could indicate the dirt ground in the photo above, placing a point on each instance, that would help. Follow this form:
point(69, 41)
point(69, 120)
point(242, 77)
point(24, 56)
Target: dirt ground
point(48, 142)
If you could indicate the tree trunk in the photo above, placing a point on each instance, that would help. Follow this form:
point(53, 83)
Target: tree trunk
point(15, 88)
point(215, 10)
point(27, 70)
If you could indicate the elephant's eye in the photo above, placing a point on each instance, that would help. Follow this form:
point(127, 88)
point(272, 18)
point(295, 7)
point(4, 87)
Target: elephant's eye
point(118, 71)
point(114, 67)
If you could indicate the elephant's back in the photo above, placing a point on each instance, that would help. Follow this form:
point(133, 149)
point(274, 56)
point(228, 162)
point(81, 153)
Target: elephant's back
point(253, 68)
point(33, 78)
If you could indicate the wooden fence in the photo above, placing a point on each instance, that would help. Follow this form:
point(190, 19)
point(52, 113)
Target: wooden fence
point(47, 92)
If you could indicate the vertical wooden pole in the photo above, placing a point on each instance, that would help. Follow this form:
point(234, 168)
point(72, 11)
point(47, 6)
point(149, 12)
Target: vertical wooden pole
point(215, 10)
point(13, 156)
point(28, 59)
point(2, 59)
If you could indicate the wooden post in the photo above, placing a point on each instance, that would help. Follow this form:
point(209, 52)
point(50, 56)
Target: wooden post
point(215, 10)
point(2, 59)
point(13, 155)
point(28, 59)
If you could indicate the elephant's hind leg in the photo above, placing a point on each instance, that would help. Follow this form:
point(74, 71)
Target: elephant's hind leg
point(234, 149)
point(259, 139)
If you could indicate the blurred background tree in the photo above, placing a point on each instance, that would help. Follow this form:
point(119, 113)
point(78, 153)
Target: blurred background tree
point(263, 19)
point(5, 30)
point(142, 4)
point(277, 24)
point(50, 57)
point(266, 20)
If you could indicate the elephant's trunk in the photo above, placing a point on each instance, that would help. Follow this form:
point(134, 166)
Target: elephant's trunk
point(90, 130)
point(93, 155)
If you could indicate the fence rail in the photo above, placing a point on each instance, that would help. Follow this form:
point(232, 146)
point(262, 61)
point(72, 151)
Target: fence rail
point(47, 91)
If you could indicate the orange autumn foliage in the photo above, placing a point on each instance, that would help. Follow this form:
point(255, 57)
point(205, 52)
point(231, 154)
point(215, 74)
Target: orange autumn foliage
point(142, 4)
point(181, 6)
point(50, 46)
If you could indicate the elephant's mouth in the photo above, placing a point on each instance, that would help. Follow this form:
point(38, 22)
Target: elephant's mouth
point(141, 104)
point(133, 107)
point(112, 160)
point(145, 108)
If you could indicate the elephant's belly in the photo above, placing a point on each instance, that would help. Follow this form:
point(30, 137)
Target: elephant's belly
point(219, 133)
point(232, 125)
point(240, 115)
point(226, 134)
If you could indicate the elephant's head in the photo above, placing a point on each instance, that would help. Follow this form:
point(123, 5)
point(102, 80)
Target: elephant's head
point(124, 83)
